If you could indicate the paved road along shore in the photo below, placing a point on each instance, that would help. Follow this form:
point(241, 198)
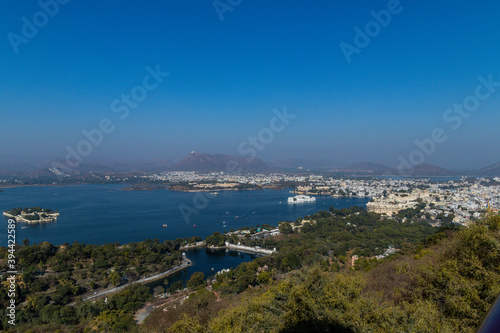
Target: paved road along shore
point(185, 264)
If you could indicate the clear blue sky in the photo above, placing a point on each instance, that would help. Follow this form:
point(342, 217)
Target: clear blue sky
point(227, 76)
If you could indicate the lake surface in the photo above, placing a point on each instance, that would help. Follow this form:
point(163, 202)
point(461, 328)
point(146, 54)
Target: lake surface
point(99, 214)
point(207, 261)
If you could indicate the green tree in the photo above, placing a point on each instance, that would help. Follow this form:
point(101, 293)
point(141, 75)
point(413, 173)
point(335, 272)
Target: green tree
point(285, 228)
point(158, 290)
point(196, 280)
point(114, 278)
point(187, 324)
point(264, 278)
point(216, 239)
point(67, 315)
point(49, 313)
point(177, 285)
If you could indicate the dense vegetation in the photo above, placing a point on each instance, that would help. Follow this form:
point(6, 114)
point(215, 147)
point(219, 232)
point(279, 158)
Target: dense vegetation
point(345, 231)
point(445, 283)
point(441, 280)
point(31, 210)
point(114, 314)
point(335, 236)
point(53, 277)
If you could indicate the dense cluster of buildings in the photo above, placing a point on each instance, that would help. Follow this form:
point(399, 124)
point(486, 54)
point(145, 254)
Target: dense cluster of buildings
point(461, 199)
point(224, 177)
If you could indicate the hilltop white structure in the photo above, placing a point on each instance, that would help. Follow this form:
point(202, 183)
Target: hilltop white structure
point(301, 199)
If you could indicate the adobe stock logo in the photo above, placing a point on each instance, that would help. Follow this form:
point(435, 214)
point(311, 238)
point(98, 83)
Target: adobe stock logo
point(427, 147)
point(265, 136)
point(223, 6)
point(40, 19)
point(373, 28)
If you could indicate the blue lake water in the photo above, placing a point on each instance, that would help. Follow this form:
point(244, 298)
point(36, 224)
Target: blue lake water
point(98, 214)
point(207, 261)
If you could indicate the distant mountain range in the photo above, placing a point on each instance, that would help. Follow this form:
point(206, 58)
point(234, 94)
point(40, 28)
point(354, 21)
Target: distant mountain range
point(201, 162)
point(380, 169)
point(490, 170)
point(370, 168)
point(432, 170)
point(19, 166)
point(313, 164)
point(225, 163)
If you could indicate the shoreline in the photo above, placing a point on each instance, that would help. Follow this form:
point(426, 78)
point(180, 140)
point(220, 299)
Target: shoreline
point(229, 246)
point(145, 188)
point(41, 185)
point(248, 249)
point(194, 246)
point(218, 189)
point(52, 217)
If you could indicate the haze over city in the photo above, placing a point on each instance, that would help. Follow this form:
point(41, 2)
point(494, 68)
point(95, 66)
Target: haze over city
point(355, 97)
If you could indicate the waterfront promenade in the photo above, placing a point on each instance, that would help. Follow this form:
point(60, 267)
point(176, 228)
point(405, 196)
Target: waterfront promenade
point(229, 246)
point(243, 248)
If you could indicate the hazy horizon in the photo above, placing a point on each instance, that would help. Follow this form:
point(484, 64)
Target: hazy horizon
point(231, 72)
point(323, 163)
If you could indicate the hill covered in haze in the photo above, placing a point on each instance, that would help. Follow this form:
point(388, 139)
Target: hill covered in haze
point(490, 170)
point(375, 169)
point(312, 164)
point(202, 162)
point(431, 170)
point(370, 168)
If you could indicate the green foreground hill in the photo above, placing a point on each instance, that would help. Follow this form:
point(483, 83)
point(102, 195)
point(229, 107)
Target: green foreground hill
point(446, 283)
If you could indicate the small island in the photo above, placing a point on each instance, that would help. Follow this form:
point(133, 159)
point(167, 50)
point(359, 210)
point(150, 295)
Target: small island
point(32, 215)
